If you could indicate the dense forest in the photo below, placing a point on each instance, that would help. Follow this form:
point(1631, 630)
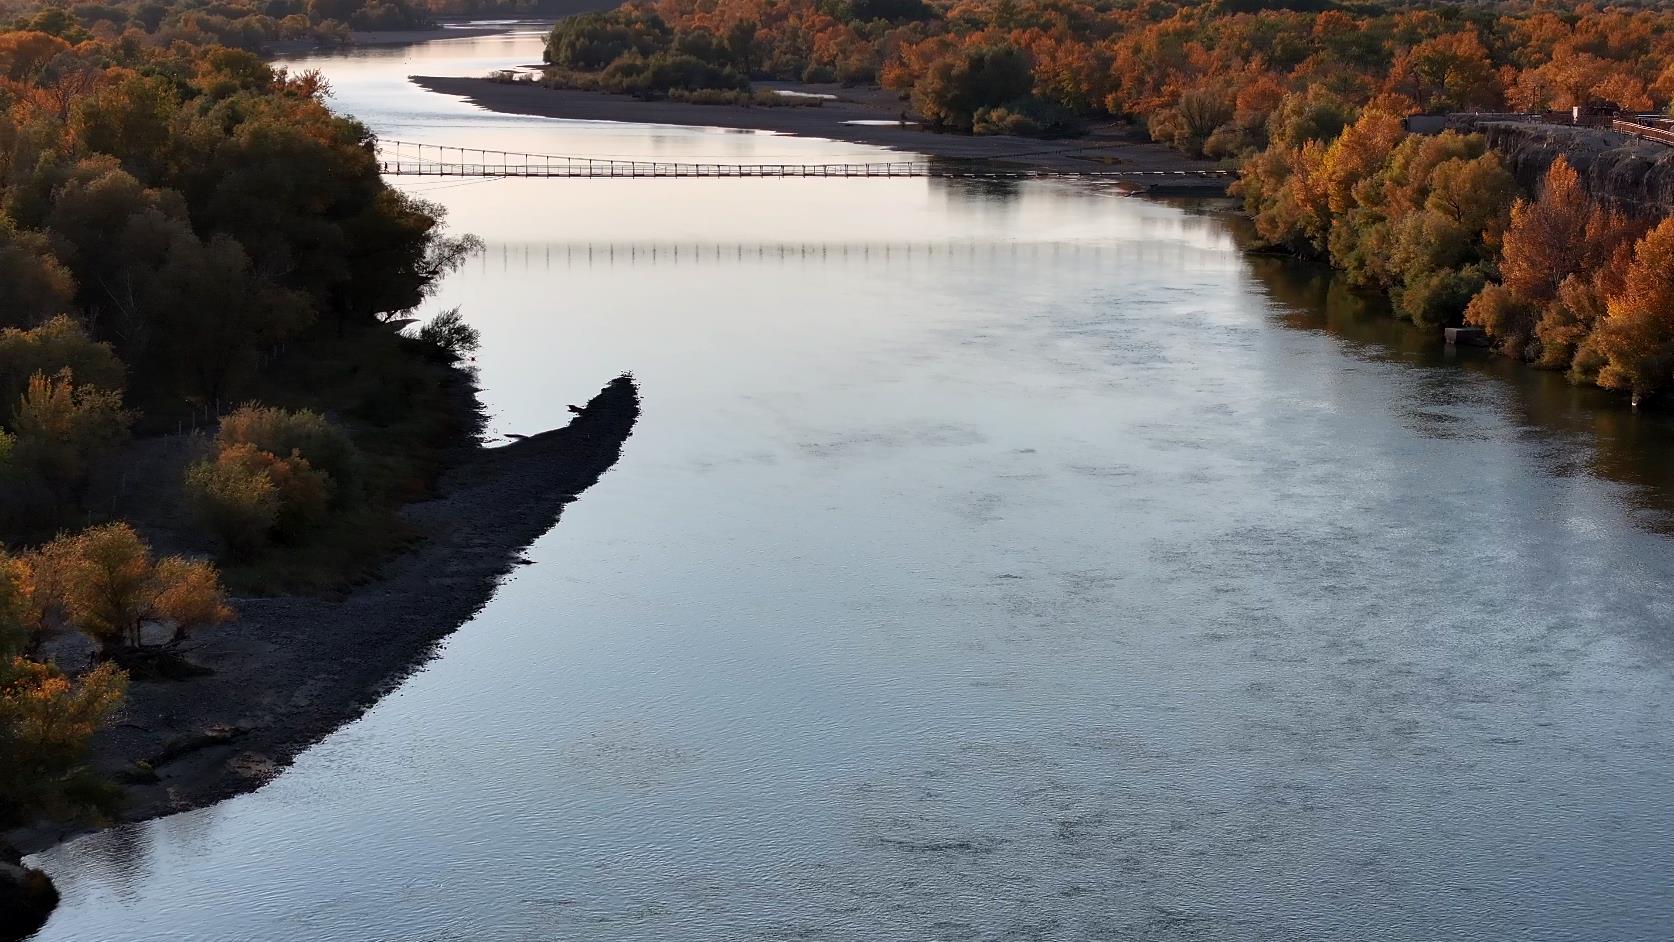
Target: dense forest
point(185, 235)
point(1308, 99)
point(247, 24)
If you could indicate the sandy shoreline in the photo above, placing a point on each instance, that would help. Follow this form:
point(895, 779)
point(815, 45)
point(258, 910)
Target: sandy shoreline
point(291, 670)
point(1112, 147)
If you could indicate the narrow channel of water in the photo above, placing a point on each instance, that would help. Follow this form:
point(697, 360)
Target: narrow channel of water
point(991, 561)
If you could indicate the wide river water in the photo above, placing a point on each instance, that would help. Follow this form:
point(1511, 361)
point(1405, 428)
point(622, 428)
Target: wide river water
point(991, 562)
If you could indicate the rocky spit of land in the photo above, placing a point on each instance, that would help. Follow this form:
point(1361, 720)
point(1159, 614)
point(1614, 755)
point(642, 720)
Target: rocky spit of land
point(27, 897)
point(291, 670)
point(1113, 146)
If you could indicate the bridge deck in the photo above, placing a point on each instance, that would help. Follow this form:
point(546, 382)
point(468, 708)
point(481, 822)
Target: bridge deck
point(405, 158)
point(404, 168)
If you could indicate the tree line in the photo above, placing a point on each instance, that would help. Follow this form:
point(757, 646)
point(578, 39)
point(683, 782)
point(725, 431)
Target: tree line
point(1206, 77)
point(244, 24)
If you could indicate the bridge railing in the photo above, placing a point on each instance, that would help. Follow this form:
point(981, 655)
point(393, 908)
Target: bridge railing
point(414, 159)
point(1644, 131)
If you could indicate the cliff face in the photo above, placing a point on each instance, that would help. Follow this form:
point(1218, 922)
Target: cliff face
point(1627, 174)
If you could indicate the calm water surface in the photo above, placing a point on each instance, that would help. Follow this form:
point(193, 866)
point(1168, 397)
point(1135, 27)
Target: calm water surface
point(1013, 562)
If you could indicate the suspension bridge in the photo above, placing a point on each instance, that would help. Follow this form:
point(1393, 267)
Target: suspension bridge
point(409, 158)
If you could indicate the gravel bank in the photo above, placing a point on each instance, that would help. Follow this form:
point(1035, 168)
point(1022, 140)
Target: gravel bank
point(291, 670)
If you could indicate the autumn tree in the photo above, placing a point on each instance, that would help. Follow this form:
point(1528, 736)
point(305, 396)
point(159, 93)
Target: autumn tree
point(247, 495)
point(18, 616)
point(109, 587)
point(1636, 338)
point(46, 721)
point(1555, 244)
point(1544, 243)
point(63, 430)
point(303, 433)
point(61, 343)
point(1452, 72)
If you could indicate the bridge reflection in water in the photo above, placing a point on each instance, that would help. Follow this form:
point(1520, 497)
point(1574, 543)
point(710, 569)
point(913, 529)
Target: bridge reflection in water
point(558, 255)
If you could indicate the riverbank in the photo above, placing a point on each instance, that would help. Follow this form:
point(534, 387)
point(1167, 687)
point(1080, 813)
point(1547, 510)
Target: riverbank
point(386, 37)
point(291, 670)
point(1107, 147)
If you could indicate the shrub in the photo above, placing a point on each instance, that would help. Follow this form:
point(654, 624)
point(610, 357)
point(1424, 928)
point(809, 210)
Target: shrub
point(246, 495)
point(1025, 117)
point(62, 430)
point(46, 721)
point(303, 433)
point(240, 507)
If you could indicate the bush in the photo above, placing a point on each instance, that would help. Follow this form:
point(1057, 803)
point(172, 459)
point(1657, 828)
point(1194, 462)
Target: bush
point(1025, 117)
point(240, 506)
point(247, 495)
point(63, 429)
point(666, 72)
point(303, 433)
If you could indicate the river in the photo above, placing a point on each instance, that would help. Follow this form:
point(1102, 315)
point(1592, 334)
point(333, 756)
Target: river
point(992, 561)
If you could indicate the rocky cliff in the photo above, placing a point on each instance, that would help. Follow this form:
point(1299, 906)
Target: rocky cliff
point(1623, 172)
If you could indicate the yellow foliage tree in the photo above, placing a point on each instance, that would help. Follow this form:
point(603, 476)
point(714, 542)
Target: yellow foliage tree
point(62, 429)
point(46, 720)
point(106, 584)
point(246, 495)
point(1636, 340)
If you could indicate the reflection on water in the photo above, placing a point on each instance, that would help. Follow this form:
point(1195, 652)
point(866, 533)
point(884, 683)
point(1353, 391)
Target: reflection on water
point(1582, 430)
point(987, 563)
point(503, 257)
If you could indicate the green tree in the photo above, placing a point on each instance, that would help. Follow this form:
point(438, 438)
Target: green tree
point(34, 285)
point(957, 87)
point(59, 344)
point(211, 314)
